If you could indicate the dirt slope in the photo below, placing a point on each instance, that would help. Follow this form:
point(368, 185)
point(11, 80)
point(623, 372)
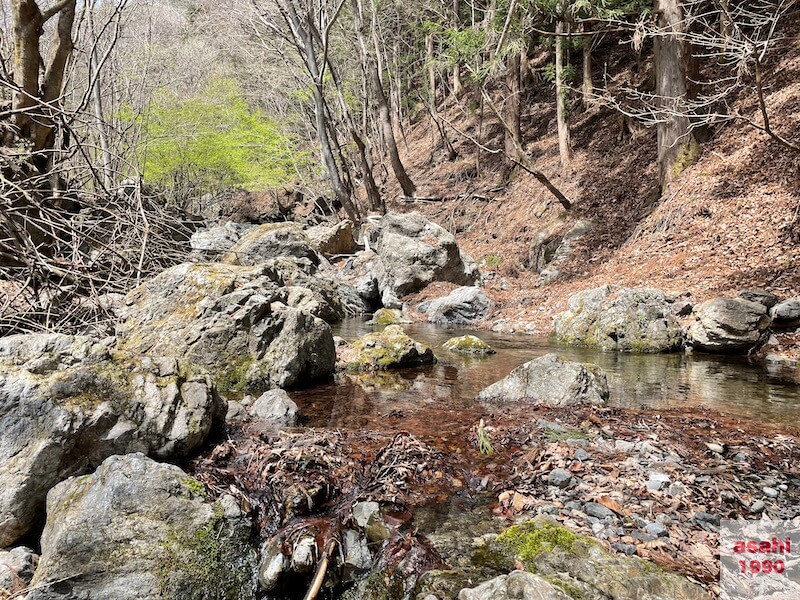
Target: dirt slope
point(729, 222)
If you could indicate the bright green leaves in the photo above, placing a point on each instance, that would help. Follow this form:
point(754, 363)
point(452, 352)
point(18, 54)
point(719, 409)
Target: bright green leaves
point(215, 140)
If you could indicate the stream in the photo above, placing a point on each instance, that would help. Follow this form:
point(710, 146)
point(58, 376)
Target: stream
point(430, 398)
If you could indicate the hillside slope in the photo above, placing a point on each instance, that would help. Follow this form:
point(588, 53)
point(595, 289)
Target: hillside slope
point(729, 222)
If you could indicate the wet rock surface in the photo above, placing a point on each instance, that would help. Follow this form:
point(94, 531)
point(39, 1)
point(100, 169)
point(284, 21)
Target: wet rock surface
point(552, 381)
point(468, 344)
point(140, 529)
point(386, 349)
point(616, 318)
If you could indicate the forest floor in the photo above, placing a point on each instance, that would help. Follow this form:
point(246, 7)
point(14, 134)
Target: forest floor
point(729, 222)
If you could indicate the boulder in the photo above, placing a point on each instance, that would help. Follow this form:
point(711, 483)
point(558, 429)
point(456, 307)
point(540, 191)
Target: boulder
point(69, 402)
point(517, 585)
point(786, 314)
point(274, 406)
point(462, 306)
point(138, 529)
point(388, 316)
point(413, 252)
point(768, 299)
point(212, 243)
point(728, 325)
point(271, 240)
point(616, 318)
point(386, 349)
point(579, 565)
point(551, 381)
point(16, 569)
point(230, 319)
point(333, 240)
point(468, 344)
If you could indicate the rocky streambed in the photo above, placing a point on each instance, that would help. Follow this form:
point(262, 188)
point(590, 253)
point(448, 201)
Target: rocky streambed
point(167, 461)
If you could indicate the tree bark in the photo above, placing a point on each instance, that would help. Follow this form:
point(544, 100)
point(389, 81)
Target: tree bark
point(677, 146)
point(511, 112)
point(588, 85)
point(456, 67)
point(562, 115)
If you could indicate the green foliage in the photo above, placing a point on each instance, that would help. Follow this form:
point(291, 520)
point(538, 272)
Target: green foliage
point(569, 75)
point(215, 140)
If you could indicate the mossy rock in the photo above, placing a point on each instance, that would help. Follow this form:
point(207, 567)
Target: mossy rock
point(388, 316)
point(387, 349)
point(468, 344)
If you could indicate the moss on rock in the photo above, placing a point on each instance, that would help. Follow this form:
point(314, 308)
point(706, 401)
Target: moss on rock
point(468, 344)
point(390, 348)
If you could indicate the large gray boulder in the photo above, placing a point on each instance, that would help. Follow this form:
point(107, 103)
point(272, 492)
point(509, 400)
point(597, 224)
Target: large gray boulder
point(214, 242)
point(728, 325)
point(786, 314)
point(67, 403)
point(413, 252)
point(552, 381)
point(230, 319)
point(517, 585)
point(332, 240)
point(462, 306)
point(138, 529)
point(274, 406)
point(617, 318)
point(389, 348)
point(271, 240)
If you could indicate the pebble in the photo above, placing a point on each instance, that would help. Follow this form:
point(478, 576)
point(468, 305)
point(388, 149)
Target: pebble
point(597, 528)
point(581, 455)
point(704, 517)
point(594, 509)
point(623, 445)
point(757, 507)
point(783, 487)
point(771, 492)
point(629, 549)
point(656, 530)
point(560, 478)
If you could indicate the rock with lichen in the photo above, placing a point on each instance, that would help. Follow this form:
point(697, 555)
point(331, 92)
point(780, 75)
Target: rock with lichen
point(580, 568)
point(551, 381)
point(611, 317)
point(387, 349)
point(462, 306)
point(271, 240)
point(468, 344)
point(232, 320)
point(138, 529)
point(68, 402)
point(728, 325)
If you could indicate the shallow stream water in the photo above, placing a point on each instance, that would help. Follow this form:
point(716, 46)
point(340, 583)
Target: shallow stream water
point(427, 400)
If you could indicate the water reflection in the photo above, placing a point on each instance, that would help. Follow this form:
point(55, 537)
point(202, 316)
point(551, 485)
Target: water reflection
point(446, 390)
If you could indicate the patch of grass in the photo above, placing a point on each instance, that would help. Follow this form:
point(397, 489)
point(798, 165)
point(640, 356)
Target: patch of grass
point(568, 433)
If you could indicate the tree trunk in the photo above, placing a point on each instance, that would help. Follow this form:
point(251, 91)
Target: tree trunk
point(562, 114)
point(456, 67)
point(677, 146)
point(588, 86)
point(511, 112)
point(97, 104)
point(384, 116)
point(27, 29)
point(431, 87)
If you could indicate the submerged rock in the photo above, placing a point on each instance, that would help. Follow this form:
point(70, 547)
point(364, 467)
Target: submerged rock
point(231, 320)
point(468, 344)
point(413, 252)
point(271, 240)
point(552, 381)
point(68, 402)
point(616, 318)
point(138, 529)
point(728, 325)
point(386, 349)
point(462, 306)
point(517, 585)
